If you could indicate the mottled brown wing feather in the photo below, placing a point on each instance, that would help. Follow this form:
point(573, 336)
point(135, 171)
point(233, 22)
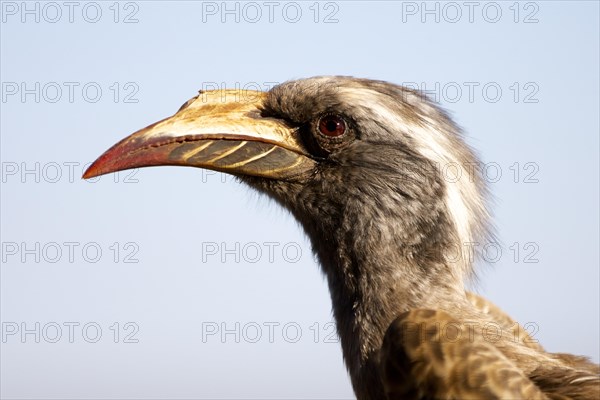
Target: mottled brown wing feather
point(428, 354)
point(504, 320)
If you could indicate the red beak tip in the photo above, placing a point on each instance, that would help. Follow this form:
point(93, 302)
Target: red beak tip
point(87, 175)
point(92, 171)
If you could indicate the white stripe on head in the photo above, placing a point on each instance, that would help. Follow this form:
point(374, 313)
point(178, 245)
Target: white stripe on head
point(441, 144)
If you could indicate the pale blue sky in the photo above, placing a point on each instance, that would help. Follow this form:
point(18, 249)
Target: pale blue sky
point(540, 132)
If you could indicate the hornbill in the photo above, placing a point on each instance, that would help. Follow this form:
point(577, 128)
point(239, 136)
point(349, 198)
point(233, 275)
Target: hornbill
point(359, 163)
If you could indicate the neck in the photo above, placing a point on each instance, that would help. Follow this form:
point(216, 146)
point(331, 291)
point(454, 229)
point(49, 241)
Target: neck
point(384, 248)
point(376, 269)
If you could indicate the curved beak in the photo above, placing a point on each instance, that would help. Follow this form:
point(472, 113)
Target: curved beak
point(222, 130)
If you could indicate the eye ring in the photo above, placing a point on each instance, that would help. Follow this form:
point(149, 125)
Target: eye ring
point(332, 126)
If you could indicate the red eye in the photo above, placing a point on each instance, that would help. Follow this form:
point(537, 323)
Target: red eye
point(332, 126)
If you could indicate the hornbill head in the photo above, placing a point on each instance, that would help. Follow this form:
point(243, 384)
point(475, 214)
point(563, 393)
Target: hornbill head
point(378, 176)
point(325, 144)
